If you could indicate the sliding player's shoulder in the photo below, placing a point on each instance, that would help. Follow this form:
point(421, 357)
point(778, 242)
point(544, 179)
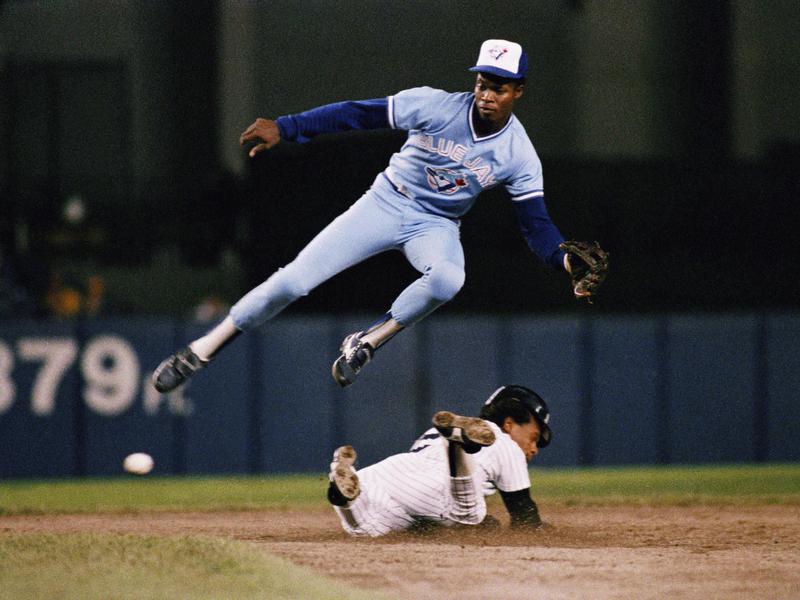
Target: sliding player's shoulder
point(505, 446)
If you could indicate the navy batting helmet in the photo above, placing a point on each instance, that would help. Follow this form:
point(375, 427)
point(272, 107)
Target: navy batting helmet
point(507, 400)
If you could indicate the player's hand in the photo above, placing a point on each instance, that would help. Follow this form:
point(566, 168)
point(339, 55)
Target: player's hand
point(587, 264)
point(264, 131)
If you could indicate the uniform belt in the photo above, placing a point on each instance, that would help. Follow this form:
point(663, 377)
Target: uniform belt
point(397, 188)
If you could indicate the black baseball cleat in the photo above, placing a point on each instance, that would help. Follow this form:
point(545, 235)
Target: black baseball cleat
point(355, 355)
point(175, 370)
point(344, 486)
point(471, 432)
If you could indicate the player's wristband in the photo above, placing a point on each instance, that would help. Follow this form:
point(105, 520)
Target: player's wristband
point(522, 508)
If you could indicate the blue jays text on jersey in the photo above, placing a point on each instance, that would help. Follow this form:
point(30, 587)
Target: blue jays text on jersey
point(457, 152)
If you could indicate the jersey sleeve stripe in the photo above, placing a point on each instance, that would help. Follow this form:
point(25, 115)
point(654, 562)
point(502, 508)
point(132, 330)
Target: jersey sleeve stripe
point(390, 112)
point(528, 195)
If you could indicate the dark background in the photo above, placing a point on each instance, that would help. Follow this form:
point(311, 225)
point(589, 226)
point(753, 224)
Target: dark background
point(669, 132)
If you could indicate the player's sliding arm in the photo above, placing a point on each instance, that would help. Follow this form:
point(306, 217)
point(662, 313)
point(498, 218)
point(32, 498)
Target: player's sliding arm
point(541, 234)
point(522, 508)
point(340, 116)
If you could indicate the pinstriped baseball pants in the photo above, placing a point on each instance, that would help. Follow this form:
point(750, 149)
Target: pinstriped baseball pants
point(405, 488)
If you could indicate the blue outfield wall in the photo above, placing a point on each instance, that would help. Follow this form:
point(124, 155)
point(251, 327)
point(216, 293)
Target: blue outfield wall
point(75, 398)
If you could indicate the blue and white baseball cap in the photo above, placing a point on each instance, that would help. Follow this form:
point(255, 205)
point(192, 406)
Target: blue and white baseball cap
point(502, 58)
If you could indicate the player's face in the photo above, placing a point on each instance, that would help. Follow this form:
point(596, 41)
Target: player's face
point(495, 100)
point(526, 435)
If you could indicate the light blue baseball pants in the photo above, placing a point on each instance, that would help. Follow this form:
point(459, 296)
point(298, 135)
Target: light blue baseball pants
point(381, 220)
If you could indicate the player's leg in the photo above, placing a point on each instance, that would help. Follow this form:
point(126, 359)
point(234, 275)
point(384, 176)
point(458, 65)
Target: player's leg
point(465, 436)
point(363, 509)
point(367, 228)
point(434, 250)
point(470, 433)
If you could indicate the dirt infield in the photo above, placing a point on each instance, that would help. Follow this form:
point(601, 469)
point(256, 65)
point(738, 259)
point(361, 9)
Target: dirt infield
point(592, 552)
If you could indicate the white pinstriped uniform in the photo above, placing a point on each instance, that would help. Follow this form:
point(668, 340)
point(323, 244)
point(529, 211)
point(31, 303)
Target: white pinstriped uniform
point(413, 486)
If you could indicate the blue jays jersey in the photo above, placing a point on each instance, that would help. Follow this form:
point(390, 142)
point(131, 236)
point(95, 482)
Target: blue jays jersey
point(444, 164)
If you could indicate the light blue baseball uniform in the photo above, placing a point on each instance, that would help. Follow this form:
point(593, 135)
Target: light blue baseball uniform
point(444, 165)
point(415, 203)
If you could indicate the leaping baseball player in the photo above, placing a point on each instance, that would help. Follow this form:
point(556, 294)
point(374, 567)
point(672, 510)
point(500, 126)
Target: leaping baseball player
point(448, 471)
point(458, 145)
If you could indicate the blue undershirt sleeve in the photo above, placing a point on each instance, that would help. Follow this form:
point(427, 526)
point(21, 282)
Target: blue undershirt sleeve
point(340, 116)
point(542, 236)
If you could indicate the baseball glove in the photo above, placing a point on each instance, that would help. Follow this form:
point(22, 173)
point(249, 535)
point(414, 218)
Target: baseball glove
point(588, 264)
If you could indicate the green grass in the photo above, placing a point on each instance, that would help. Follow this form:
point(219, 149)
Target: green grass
point(728, 484)
point(775, 483)
point(102, 566)
point(133, 494)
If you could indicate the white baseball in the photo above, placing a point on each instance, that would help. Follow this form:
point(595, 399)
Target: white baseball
point(138, 463)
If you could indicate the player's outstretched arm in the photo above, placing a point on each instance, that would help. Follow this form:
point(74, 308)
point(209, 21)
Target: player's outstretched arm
point(330, 118)
point(522, 509)
point(263, 131)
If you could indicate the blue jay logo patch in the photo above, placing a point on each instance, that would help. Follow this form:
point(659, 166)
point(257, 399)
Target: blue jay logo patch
point(497, 51)
point(446, 181)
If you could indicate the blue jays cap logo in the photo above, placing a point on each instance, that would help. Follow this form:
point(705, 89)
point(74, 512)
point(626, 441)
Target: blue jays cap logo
point(446, 181)
point(502, 58)
point(497, 51)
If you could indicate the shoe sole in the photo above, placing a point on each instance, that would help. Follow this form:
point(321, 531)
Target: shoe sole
point(176, 376)
point(341, 371)
point(160, 385)
point(344, 477)
point(473, 429)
